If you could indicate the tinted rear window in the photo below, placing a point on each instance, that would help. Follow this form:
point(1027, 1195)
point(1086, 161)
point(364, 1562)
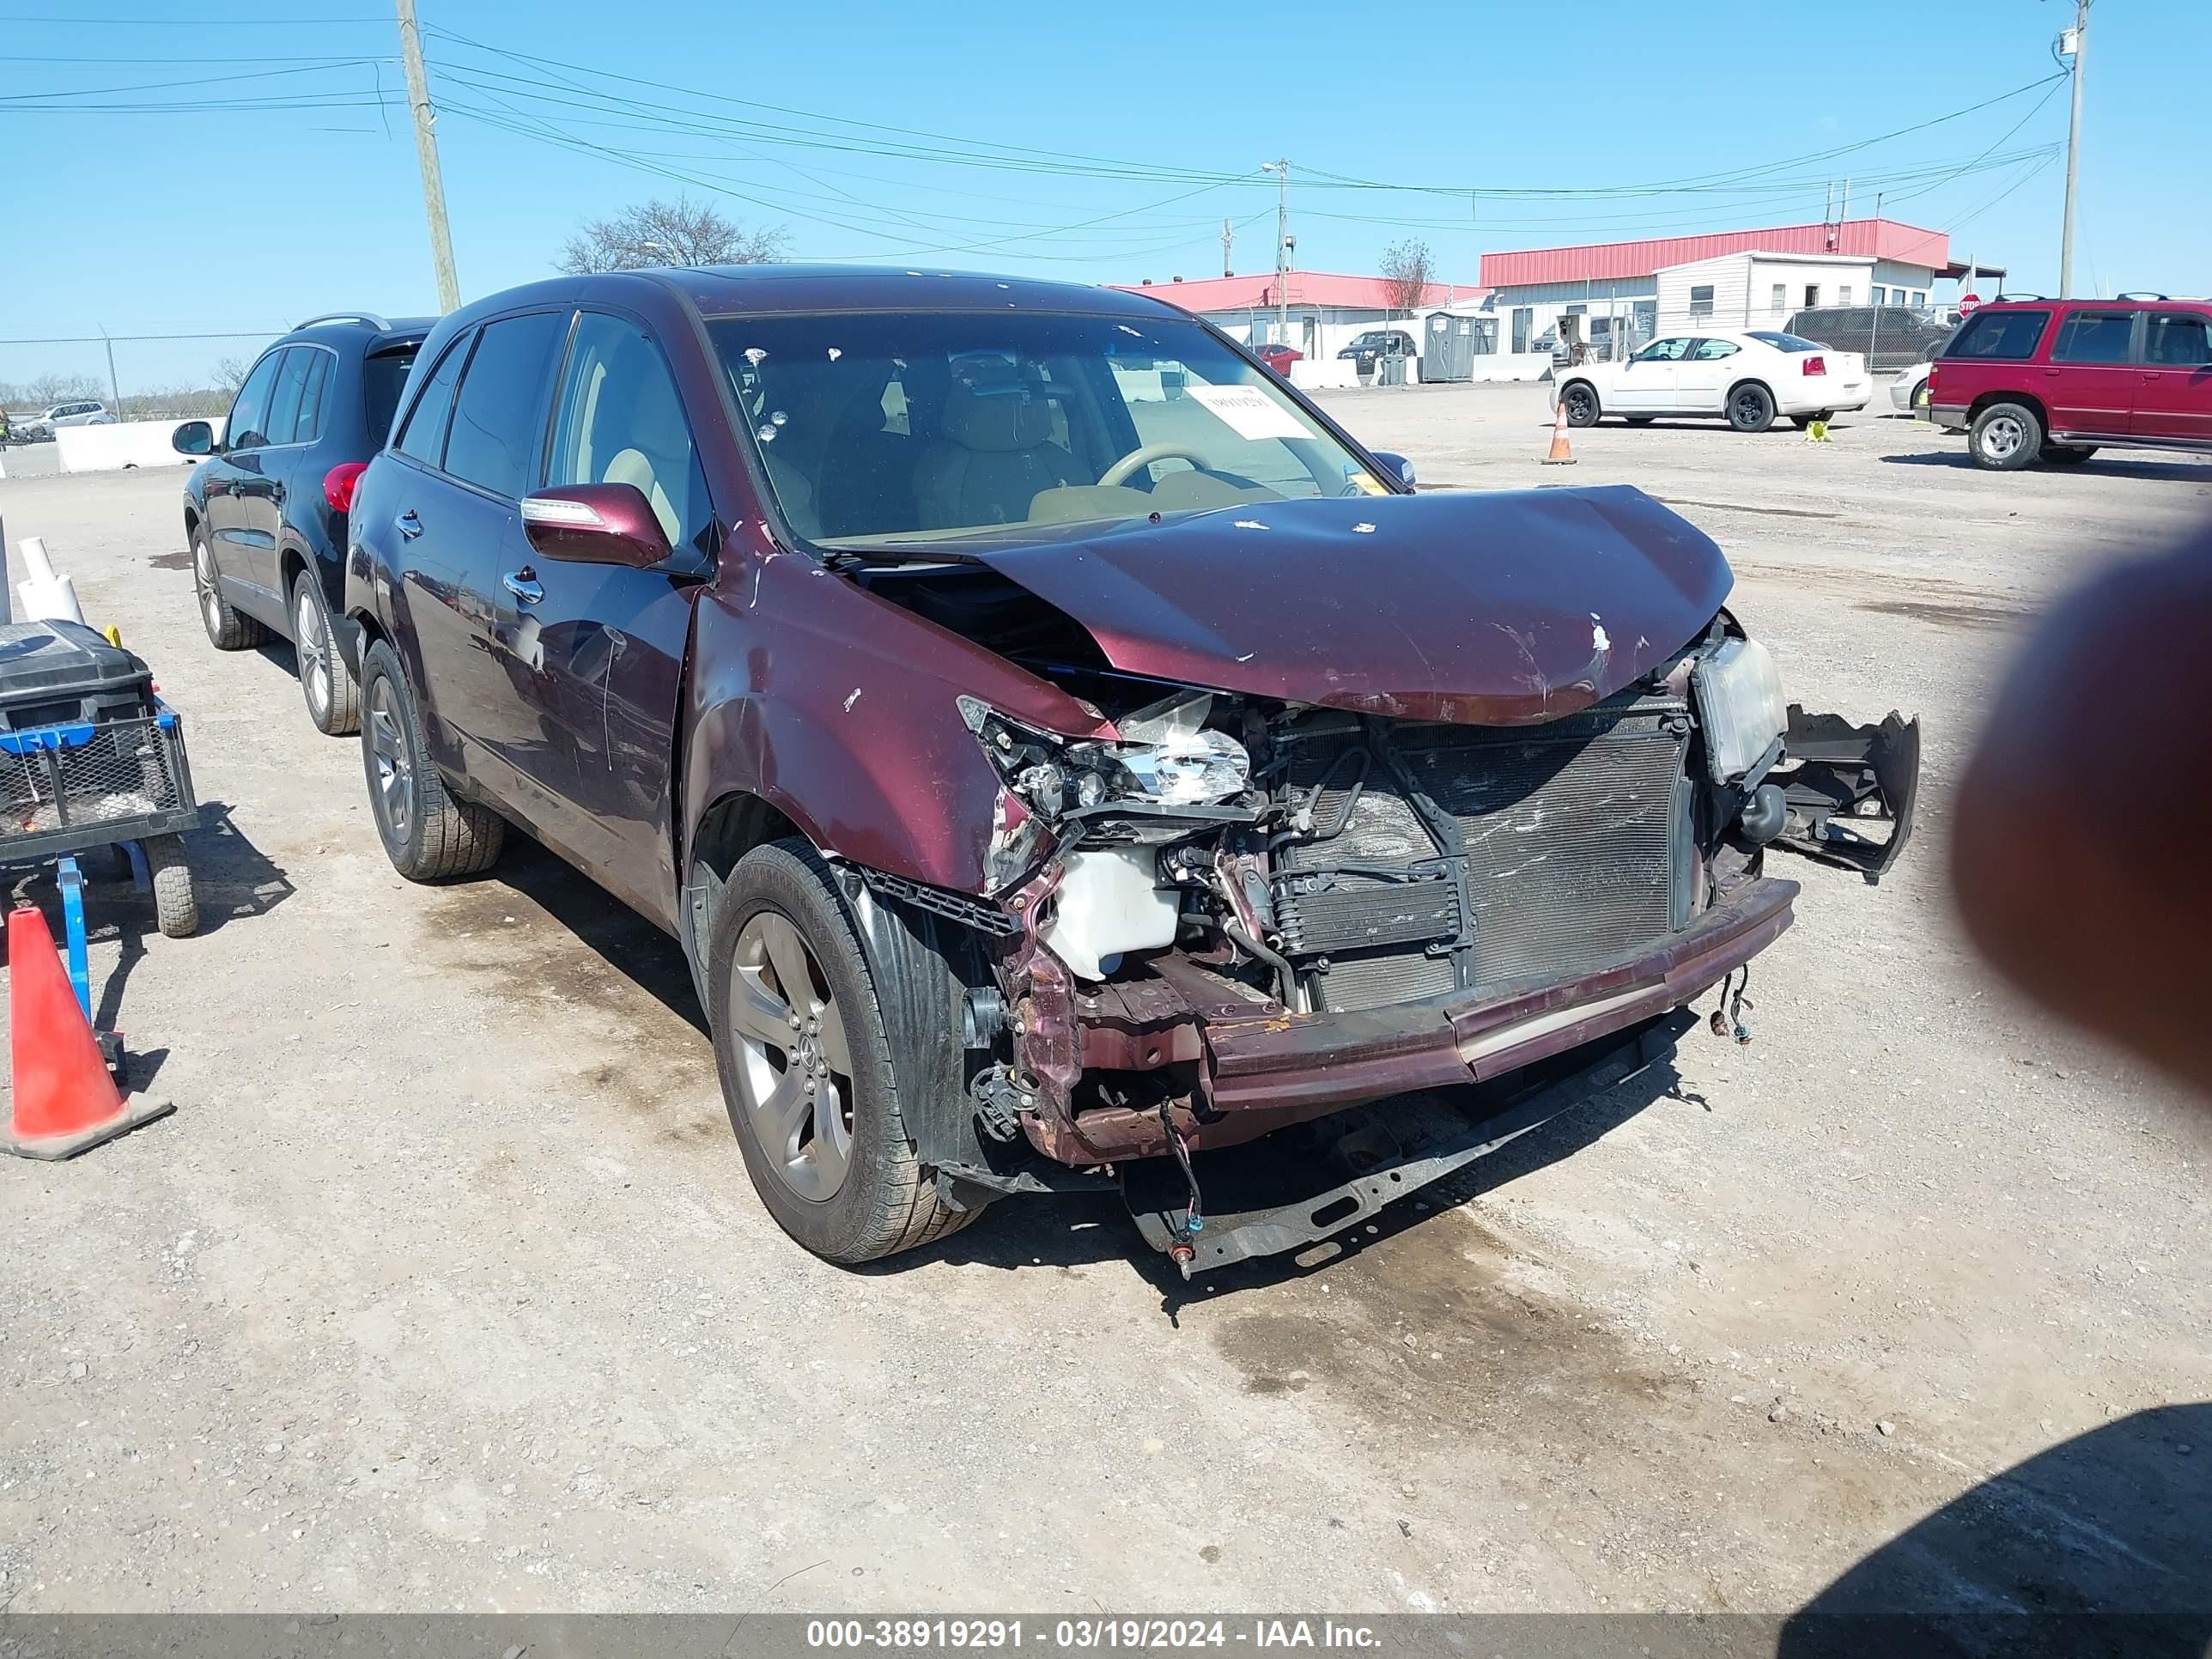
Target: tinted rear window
point(381, 377)
point(497, 432)
point(2095, 337)
point(1784, 342)
point(2002, 336)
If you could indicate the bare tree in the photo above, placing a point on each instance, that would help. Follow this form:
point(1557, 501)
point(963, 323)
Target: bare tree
point(61, 389)
point(1406, 267)
point(230, 373)
point(668, 234)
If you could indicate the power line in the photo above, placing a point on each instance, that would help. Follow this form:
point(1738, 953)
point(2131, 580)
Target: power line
point(196, 81)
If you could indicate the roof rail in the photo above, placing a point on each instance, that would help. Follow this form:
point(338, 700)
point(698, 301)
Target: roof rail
point(368, 317)
point(2141, 293)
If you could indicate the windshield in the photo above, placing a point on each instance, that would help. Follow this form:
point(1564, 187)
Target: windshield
point(877, 427)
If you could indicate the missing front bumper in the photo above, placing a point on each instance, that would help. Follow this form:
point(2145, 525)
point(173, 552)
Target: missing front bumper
point(1386, 1168)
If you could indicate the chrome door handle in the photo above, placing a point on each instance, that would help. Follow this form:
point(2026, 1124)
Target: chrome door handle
point(408, 524)
point(523, 584)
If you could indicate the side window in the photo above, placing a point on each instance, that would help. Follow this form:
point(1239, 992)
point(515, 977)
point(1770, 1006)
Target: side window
point(249, 411)
point(314, 396)
point(2095, 337)
point(284, 405)
point(1711, 351)
point(498, 425)
point(2000, 335)
point(424, 437)
point(619, 420)
point(2179, 339)
point(1665, 351)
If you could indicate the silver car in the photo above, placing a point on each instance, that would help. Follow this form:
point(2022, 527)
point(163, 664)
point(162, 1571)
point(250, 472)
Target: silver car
point(84, 412)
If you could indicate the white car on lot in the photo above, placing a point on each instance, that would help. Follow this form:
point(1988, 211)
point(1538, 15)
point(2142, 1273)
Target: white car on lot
point(1745, 378)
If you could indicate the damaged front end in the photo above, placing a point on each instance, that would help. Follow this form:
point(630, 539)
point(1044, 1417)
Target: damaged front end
point(1317, 847)
point(1235, 914)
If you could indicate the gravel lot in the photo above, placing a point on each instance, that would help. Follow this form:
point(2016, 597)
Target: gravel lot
point(444, 1288)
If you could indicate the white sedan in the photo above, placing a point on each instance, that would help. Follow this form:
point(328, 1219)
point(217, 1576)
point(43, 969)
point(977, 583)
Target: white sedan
point(1745, 378)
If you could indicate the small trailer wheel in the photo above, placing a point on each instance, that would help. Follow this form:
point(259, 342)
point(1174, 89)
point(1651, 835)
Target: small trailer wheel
point(176, 909)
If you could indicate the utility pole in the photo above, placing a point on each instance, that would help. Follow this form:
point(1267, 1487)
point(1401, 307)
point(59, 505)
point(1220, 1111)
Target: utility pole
point(2078, 38)
point(1281, 170)
point(426, 153)
point(1228, 235)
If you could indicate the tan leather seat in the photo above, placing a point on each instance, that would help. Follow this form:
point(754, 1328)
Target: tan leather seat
point(995, 455)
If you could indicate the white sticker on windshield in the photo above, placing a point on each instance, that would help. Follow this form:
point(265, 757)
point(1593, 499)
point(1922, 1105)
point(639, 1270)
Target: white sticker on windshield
point(1247, 411)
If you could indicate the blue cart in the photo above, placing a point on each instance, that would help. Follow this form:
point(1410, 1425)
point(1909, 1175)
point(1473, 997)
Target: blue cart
point(91, 758)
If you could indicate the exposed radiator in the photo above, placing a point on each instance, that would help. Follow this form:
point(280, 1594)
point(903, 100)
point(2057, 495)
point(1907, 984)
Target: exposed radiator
point(1570, 832)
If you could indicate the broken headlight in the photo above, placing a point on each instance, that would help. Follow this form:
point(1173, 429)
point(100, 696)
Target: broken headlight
point(1739, 695)
point(1167, 757)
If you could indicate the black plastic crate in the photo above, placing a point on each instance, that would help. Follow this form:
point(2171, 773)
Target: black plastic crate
point(87, 782)
point(55, 673)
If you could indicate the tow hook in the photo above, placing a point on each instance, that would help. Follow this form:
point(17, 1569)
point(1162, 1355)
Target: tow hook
point(1183, 1253)
point(1727, 1018)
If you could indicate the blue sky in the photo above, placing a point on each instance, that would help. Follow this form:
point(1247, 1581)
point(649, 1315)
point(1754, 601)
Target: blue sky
point(1111, 143)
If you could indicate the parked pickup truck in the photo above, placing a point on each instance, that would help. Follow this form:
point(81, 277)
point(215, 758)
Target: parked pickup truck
point(1051, 780)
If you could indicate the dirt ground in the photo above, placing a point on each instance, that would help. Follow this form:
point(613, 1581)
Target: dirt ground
point(444, 1287)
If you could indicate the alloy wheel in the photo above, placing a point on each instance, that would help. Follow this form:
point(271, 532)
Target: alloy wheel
point(794, 1062)
point(2002, 438)
point(203, 581)
point(313, 642)
point(395, 763)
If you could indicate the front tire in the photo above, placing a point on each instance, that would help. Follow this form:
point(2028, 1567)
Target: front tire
point(2005, 437)
point(326, 684)
point(1751, 408)
point(1579, 398)
point(809, 1074)
point(428, 834)
point(227, 628)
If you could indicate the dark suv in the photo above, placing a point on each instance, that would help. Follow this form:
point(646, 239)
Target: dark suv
point(1890, 336)
point(2057, 380)
point(1059, 749)
point(1377, 344)
point(265, 513)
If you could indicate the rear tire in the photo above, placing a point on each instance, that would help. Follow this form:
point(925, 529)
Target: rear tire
point(2068, 454)
point(1750, 407)
point(227, 629)
point(327, 683)
point(176, 907)
point(2005, 437)
point(428, 834)
point(811, 1078)
point(1579, 400)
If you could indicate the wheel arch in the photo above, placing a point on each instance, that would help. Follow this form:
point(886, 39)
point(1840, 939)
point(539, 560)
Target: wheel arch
point(1759, 380)
point(2026, 400)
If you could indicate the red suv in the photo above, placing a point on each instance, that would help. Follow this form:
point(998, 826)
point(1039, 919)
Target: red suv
point(2056, 380)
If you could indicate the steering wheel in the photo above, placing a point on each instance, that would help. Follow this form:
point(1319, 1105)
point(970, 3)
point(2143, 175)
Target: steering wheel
point(1145, 455)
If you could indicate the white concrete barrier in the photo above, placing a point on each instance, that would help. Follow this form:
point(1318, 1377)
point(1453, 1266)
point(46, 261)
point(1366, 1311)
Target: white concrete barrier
point(1309, 374)
point(122, 443)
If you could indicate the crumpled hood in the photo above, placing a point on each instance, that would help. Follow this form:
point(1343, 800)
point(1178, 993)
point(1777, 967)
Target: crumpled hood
point(1480, 608)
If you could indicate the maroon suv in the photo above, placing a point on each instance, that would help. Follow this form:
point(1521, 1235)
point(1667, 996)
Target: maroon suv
point(2057, 380)
point(1056, 745)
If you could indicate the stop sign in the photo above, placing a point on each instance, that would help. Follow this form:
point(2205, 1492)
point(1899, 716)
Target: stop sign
point(1967, 302)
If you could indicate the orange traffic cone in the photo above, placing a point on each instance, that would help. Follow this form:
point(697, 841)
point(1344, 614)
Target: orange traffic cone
point(64, 1100)
point(1562, 453)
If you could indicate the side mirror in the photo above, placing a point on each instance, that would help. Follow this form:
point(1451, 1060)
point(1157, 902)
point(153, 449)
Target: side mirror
point(193, 438)
point(1397, 463)
point(595, 524)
